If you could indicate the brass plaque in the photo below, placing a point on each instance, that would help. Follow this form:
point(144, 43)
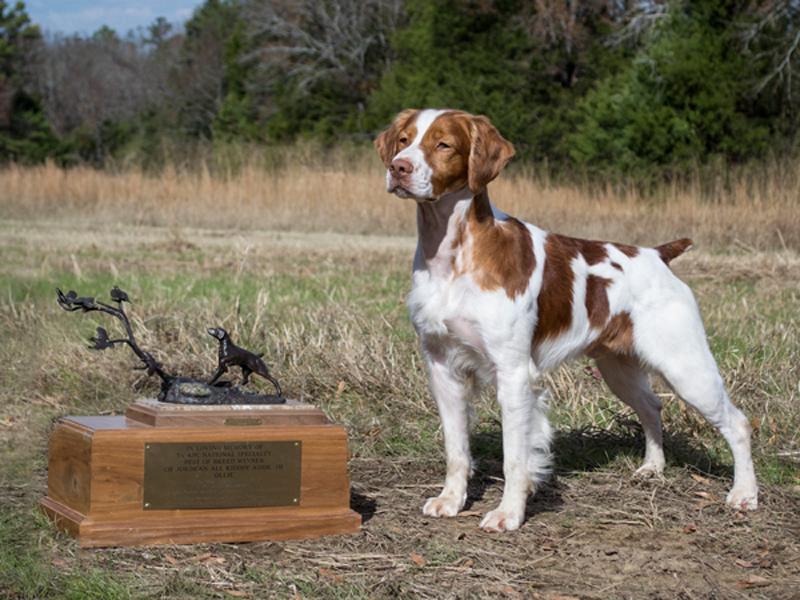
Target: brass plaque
point(179, 475)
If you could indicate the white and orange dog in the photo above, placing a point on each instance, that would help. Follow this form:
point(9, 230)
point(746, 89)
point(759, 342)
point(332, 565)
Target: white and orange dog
point(497, 300)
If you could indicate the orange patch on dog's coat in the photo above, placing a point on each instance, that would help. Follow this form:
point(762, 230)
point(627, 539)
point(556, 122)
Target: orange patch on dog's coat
point(629, 251)
point(388, 143)
point(555, 298)
point(597, 306)
point(500, 253)
point(450, 164)
point(616, 337)
point(673, 249)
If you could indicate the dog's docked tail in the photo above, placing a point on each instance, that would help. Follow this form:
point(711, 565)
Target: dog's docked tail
point(673, 249)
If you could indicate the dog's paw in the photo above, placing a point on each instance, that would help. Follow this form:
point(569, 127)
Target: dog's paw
point(442, 506)
point(649, 470)
point(499, 521)
point(743, 499)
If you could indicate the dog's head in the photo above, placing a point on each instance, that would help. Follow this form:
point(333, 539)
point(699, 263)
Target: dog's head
point(430, 153)
point(217, 332)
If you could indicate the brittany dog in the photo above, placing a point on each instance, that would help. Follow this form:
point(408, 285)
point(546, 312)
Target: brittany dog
point(496, 300)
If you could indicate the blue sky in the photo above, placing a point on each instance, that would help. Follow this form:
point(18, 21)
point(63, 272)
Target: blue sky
point(87, 16)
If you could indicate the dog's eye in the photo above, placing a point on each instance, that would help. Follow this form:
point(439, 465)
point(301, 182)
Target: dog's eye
point(403, 140)
point(442, 146)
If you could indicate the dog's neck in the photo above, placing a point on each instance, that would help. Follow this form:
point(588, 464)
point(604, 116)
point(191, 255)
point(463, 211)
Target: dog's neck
point(441, 223)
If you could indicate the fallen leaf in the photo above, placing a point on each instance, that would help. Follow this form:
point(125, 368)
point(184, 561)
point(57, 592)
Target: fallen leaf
point(340, 389)
point(765, 563)
point(325, 572)
point(470, 513)
point(171, 560)
point(200, 557)
point(707, 495)
point(466, 565)
point(754, 581)
point(702, 504)
point(59, 562)
point(237, 593)
point(740, 515)
point(509, 590)
point(743, 563)
point(699, 479)
point(690, 529)
point(338, 578)
point(418, 559)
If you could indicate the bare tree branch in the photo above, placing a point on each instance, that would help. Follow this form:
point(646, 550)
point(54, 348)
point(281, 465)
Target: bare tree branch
point(774, 34)
point(641, 23)
point(312, 40)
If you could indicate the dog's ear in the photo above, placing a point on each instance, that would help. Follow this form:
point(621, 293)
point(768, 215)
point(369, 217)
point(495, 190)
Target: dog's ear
point(489, 153)
point(386, 143)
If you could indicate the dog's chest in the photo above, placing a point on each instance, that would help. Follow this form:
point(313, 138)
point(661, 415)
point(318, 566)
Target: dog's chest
point(446, 310)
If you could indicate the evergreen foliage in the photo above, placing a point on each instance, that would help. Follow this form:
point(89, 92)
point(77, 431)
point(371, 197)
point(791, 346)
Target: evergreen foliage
point(596, 86)
point(25, 135)
point(687, 96)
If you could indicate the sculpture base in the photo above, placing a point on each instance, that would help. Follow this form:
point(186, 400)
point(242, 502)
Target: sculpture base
point(178, 474)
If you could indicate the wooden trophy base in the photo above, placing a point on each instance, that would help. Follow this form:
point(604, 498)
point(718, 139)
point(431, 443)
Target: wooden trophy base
point(180, 474)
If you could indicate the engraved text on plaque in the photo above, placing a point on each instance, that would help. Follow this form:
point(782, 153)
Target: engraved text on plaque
point(221, 475)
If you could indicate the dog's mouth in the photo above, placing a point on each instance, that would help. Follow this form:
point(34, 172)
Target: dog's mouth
point(395, 188)
point(402, 191)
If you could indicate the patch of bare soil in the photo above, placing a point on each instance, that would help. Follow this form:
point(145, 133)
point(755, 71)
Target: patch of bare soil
point(598, 535)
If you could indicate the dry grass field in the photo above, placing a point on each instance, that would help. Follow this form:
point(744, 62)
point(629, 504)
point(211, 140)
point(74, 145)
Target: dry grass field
point(311, 265)
point(750, 209)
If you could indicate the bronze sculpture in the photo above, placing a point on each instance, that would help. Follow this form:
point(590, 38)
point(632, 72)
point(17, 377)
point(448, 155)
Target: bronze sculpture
point(181, 390)
point(231, 355)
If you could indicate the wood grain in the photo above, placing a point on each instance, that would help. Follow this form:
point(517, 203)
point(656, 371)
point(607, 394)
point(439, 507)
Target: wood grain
point(158, 414)
point(95, 485)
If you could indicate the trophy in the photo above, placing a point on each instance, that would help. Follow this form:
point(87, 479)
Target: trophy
point(207, 460)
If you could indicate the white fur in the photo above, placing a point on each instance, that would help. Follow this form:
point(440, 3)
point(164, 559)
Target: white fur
point(470, 335)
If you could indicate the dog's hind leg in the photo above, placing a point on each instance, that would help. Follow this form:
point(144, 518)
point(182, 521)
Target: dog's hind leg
point(627, 379)
point(702, 387)
point(675, 346)
point(452, 394)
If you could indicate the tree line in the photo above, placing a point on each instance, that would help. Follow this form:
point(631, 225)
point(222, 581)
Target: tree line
point(619, 86)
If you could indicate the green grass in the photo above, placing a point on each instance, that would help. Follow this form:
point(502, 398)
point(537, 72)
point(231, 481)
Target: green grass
point(336, 332)
point(24, 572)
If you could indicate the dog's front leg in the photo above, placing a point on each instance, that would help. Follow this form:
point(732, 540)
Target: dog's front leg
point(526, 440)
point(452, 394)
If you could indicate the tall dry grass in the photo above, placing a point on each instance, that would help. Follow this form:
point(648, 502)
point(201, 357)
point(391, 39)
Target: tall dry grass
point(755, 208)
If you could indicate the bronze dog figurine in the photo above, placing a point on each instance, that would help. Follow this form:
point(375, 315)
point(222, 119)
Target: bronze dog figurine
point(231, 355)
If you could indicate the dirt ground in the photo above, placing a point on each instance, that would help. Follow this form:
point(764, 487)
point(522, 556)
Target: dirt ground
point(597, 535)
